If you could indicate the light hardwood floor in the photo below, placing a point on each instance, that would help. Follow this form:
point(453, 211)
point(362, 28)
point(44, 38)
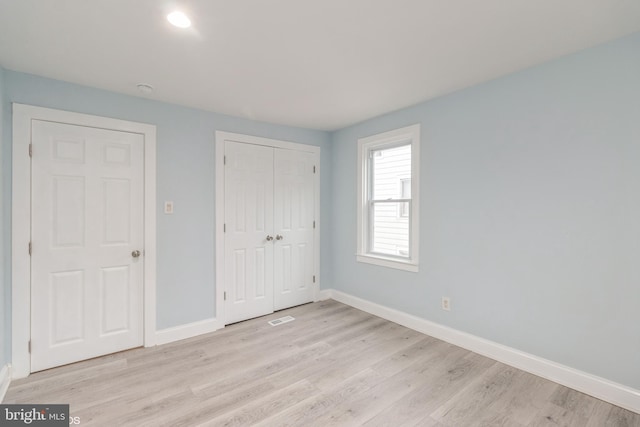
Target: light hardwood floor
point(333, 365)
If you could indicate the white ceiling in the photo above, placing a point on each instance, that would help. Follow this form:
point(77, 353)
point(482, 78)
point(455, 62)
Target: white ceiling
point(321, 64)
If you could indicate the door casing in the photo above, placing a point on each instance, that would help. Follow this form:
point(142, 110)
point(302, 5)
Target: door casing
point(21, 222)
point(220, 139)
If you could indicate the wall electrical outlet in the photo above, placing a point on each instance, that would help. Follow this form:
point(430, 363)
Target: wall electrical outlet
point(446, 303)
point(168, 207)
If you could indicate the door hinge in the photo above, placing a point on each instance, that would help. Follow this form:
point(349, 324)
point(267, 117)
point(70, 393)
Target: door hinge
point(314, 168)
point(224, 160)
point(30, 150)
point(224, 228)
point(29, 346)
point(30, 248)
point(314, 279)
point(225, 295)
point(314, 224)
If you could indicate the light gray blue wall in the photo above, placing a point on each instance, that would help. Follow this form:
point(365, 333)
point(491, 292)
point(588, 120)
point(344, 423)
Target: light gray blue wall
point(185, 174)
point(4, 283)
point(530, 207)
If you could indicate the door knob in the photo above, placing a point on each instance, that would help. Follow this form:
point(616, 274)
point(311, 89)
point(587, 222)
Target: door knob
point(279, 237)
point(269, 238)
point(135, 253)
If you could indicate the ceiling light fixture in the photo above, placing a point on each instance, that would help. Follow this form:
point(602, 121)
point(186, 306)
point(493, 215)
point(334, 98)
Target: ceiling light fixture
point(179, 19)
point(145, 88)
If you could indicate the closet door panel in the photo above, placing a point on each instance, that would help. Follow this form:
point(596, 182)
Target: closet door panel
point(249, 223)
point(294, 198)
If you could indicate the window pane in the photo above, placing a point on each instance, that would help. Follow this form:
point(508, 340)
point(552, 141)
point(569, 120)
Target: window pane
point(390, 233)
point(390, 166)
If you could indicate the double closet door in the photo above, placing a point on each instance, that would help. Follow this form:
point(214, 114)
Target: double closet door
point(270, 200)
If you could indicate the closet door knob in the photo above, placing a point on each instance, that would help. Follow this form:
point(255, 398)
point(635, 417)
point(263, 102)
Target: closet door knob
point(269, 238)
point(279, 237)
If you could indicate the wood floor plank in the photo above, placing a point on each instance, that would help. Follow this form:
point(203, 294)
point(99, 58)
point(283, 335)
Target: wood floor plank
point(340, 362)
point(621, 417)
point(43, 386)
point(574, 401)
point(606, 415)
point(384, 343)
point(333, 365)
point(423, 349)
point(335, 327)
point(471, 400)
point(307, 412)
point(441, 377)
point(362, 406)
point(264, 370)
point(528, 395)
point(265, 407)
point(553, 415)
point(489, 418)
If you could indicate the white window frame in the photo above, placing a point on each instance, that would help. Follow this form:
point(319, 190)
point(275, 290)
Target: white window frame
point(365, 146)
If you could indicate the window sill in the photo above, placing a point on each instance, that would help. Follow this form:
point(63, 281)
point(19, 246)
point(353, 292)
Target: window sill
point(387, 262)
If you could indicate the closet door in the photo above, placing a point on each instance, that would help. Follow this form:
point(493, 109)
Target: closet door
point(293, 225)
point(249, 231)
point(269, 221)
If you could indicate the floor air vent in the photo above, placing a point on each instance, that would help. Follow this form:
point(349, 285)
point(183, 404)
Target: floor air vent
point(281, 320)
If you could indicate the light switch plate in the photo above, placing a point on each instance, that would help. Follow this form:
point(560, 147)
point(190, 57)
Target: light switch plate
point(168, 207)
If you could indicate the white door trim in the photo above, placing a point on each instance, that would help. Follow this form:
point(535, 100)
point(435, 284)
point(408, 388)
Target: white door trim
point(220, 138)
point(21, 221)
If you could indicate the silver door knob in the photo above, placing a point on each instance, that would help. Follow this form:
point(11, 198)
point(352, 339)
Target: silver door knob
point(135, 253)
point(269, 238)
point(279, 237)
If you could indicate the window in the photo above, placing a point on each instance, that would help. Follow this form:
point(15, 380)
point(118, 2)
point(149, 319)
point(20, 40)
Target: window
point(388, 169)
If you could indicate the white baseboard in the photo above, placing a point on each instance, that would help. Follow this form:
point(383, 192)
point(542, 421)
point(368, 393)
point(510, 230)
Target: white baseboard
point(324, 294)
point(5, 380)
point(601, 388)
point(189, 330)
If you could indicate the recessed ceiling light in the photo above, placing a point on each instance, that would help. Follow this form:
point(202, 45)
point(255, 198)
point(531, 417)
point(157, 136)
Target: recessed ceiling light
point(179, 19)
point(145, 88)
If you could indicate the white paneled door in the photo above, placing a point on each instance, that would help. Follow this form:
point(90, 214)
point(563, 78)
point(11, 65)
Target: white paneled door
point(87, 238)
point(293, 225)
point(269, 236)
point(248, 231)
